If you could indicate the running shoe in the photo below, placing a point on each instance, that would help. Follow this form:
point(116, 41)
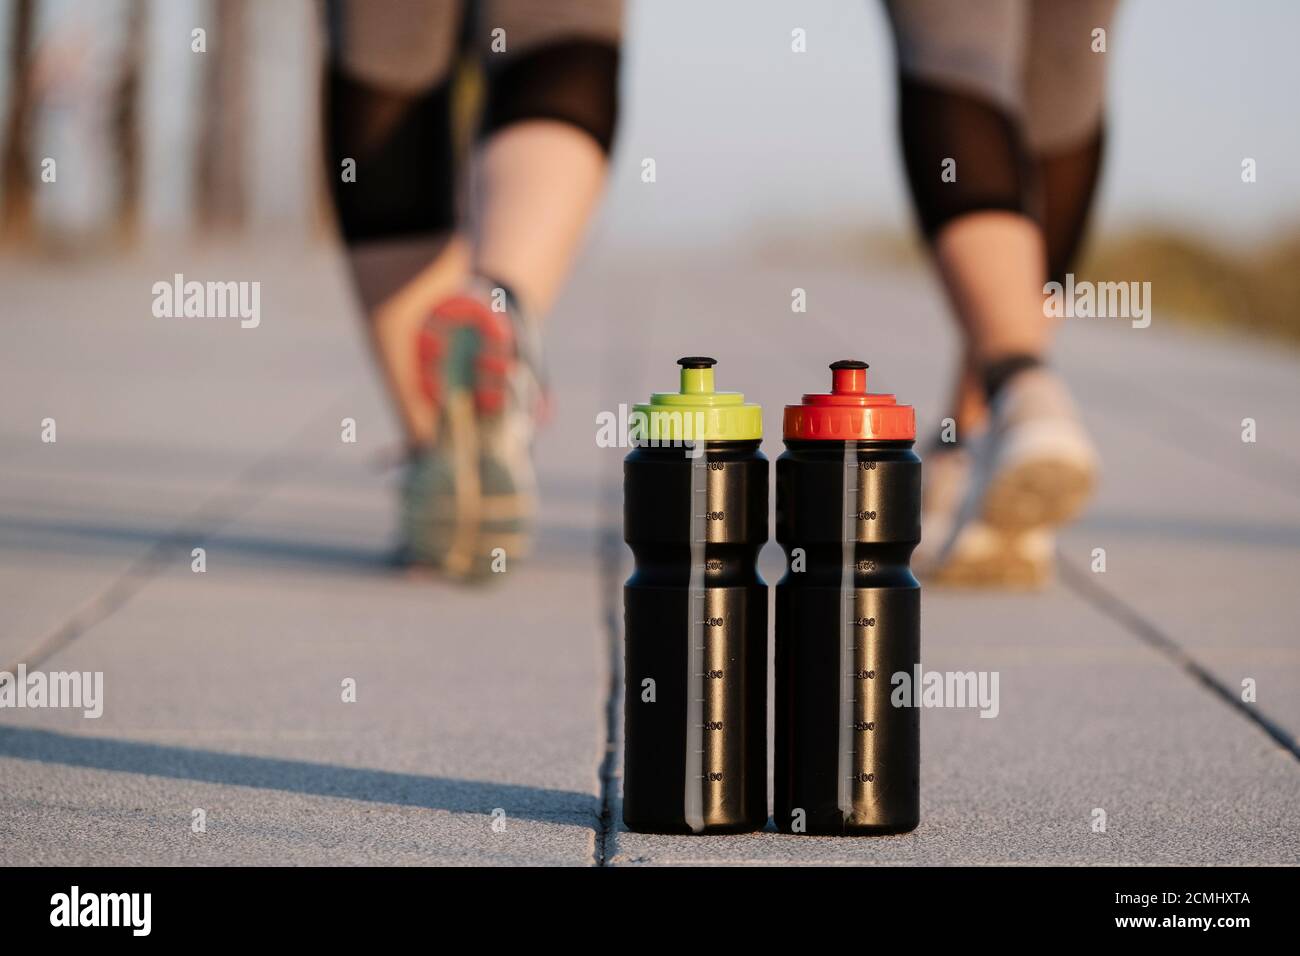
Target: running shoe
point(959, 550)
point(1038, 467)
point(468, 499)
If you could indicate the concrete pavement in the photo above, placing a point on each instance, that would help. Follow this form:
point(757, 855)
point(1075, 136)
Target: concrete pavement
point(480, 723)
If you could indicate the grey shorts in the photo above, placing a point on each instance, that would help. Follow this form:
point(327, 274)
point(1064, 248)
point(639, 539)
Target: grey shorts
point(409, 45)
point(1033, 58)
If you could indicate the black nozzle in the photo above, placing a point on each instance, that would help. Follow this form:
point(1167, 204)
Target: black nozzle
point(697, 361)
point(849, 363)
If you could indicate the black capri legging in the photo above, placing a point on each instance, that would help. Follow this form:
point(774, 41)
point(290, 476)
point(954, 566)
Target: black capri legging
point(1013, 92)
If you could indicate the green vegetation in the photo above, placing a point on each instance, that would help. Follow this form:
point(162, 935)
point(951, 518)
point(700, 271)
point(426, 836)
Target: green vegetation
point(1255, 289)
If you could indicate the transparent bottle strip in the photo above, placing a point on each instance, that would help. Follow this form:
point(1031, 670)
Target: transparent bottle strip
point(697, 611)
point(847, 695)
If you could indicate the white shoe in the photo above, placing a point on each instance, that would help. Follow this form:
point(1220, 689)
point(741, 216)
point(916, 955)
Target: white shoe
point(963, 551)
point(984, 557)
point(945, 482)
point(1037, 467)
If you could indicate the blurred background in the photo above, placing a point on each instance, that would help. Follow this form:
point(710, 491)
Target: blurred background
point(157, 143)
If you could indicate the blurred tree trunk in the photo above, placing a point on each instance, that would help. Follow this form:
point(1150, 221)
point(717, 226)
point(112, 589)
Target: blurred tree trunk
point(222, 159)
point(126, 123)
point(15, 168)
point(323, 225)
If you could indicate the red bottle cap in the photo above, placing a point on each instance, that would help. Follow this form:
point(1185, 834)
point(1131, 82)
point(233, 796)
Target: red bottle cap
point(850, 412)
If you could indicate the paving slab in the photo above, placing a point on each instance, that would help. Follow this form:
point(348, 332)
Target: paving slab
point(477, 725)
point(1201, 531)
point(1088, 719)
point(160, 422)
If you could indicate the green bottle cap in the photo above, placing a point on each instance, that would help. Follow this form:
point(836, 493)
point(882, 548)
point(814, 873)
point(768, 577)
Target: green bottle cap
point(697, 412)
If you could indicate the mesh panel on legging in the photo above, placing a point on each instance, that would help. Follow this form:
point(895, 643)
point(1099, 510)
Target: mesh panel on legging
point(938, 124)
point(1066, 182)
point(405, 163)
point(574, 81)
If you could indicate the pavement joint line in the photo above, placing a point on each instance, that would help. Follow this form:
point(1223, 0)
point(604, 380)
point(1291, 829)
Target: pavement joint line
point(607, 558)
point(246, 489)
point(609, 545)
point(1084, 586)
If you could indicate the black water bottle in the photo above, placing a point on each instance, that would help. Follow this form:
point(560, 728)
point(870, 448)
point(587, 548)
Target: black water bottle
point(848, 611)
point(695, 612)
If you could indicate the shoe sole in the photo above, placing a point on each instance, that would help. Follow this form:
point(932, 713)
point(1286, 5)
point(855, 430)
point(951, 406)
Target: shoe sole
point(1004, 569)
point(995, 559)
point(1037, 493)
point(1041, 477)
point(485, 363)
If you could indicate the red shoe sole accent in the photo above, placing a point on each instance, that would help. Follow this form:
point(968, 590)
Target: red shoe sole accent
point(492, 364)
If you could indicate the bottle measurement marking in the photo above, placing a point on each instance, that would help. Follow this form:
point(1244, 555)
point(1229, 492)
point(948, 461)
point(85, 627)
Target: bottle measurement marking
point(859, 724)
point(852, 760)
point(697, 628)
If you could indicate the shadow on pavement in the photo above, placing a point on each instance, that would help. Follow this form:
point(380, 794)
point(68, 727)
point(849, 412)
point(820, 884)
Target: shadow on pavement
point(57, 536)
point(1257, 534)
point(299, 776)
point(71, 537)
